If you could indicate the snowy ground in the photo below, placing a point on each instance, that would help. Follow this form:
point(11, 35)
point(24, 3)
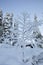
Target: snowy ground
point(10, 55)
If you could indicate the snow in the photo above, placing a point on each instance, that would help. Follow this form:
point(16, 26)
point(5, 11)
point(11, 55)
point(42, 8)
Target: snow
point(9, 56)
point(13, 55)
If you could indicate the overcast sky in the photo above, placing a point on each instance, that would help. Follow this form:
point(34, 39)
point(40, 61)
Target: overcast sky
point(17, 6)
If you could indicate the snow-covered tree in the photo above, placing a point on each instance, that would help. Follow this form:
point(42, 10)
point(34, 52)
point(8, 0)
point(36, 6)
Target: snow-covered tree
point(24, 27)
point(38, 38)
point(24, 33)
point(7, 23)
point(35, 28)
point(1, 26)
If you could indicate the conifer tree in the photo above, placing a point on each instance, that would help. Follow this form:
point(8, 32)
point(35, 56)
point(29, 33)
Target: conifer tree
point(1, 26)
point(8, 27)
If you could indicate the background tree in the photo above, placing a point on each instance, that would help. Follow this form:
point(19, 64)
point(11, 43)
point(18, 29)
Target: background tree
point(15, 32)
point(36, 33)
